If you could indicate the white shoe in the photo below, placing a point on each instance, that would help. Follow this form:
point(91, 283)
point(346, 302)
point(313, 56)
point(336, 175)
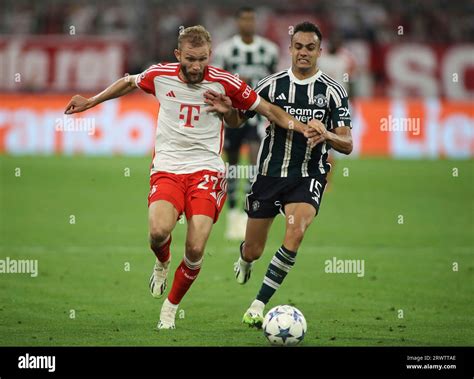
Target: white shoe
point(167, 315)
point(158, 281)
point(236, 225)
point(242, 270)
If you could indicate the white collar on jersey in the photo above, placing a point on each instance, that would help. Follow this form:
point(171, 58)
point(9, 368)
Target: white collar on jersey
point(293, 78)
point(245, 46)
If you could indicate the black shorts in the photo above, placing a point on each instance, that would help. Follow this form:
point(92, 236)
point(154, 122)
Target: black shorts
point(269, 195)
point(236, 137)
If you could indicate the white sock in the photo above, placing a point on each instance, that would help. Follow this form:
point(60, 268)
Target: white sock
point(244, 263)
point(169, 304)
point(192, 265)
point(164, 264)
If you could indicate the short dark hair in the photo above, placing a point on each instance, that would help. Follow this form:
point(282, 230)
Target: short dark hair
point(307, 27)
point(243, 10)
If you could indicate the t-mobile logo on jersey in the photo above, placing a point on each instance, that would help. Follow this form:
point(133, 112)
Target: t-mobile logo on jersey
point(186, 113)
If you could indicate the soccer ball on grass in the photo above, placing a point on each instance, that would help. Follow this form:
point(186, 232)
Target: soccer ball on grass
point(284, 325)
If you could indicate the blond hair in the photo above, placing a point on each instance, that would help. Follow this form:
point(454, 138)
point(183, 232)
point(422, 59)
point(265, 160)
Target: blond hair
point(196, 35)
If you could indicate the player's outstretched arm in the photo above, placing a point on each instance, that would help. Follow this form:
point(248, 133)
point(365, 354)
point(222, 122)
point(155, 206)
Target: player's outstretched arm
point(222, 104)
point(277, 115)
point(121, 87)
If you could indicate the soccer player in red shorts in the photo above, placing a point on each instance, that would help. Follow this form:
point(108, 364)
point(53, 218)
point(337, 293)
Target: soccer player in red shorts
point(187, 174)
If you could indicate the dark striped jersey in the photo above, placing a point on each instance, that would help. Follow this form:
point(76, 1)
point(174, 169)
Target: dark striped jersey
point(251, 62)
point(286, 153)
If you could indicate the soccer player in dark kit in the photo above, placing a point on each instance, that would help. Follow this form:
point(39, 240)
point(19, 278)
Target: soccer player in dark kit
point(252, 57)
point(291, 169)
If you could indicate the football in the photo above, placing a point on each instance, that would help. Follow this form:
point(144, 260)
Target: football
point(284, 325)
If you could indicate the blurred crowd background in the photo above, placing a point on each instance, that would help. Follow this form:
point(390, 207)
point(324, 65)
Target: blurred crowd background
point(445, 21)
point(149, 28)
point(406, 63)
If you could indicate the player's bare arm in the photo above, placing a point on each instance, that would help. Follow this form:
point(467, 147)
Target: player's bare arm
point(121, 87)
point(222, 104)
point(277, 115)
point(339, 138)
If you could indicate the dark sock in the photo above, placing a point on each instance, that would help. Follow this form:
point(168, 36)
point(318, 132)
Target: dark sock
point(280, 265)
point(242, 250)
point(232, 192)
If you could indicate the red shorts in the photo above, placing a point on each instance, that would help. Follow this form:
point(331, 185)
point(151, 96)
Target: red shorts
point(199, 193)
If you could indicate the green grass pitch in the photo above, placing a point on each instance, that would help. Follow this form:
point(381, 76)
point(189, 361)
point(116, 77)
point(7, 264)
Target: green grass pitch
point(97, 269)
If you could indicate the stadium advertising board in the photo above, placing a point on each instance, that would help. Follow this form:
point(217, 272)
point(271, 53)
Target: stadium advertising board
point(31, 124)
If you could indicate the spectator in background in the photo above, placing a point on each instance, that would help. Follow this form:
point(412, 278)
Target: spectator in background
point(252, 57)
point(338, 62)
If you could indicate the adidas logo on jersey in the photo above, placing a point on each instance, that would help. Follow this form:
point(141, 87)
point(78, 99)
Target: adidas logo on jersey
point(281, 96)
point(170, 94)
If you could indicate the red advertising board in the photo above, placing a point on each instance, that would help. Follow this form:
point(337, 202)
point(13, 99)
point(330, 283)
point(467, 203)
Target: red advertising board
point(35, 124)
point(60, 63)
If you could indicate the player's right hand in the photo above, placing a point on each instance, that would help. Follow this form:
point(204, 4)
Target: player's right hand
point(315, 132)
point(77, 104)
point(217, 102)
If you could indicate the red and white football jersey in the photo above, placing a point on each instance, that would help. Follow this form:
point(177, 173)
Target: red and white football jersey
point(188, 139)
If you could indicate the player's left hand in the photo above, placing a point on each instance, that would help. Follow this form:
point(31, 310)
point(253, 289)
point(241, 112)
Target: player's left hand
point(309, 132)
point(217, 102)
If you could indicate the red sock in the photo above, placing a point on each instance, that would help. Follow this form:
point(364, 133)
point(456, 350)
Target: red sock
point(183, 278)
point(163, 252)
